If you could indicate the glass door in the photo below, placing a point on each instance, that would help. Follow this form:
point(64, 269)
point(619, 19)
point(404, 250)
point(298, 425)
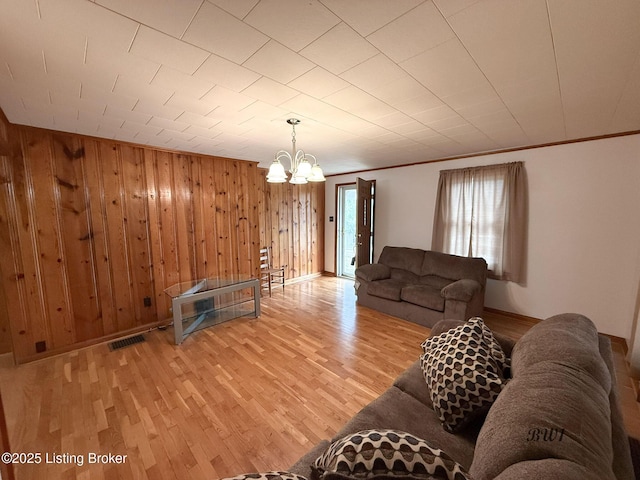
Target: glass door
point(346, 231)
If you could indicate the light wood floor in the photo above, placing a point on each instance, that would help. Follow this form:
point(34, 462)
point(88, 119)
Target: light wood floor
point(247, 395)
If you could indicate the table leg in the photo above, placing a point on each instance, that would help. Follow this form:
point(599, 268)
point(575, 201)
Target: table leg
point(256, 298)
point(176, 305)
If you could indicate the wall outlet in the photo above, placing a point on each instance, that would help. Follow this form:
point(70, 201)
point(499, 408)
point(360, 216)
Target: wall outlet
point(147, 301)
point(41, 346)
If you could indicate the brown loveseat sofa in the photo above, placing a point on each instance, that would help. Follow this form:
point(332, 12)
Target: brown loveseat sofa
point(423, 286)
point(557, 418)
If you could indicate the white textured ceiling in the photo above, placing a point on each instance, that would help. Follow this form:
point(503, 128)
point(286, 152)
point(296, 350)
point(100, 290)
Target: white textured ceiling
point(375, 82)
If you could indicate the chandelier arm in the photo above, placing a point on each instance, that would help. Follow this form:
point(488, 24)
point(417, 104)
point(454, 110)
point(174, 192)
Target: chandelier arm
point(282, 153)
point(293, 161)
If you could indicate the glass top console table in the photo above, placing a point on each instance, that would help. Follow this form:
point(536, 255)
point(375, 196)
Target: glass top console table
point(202, 303)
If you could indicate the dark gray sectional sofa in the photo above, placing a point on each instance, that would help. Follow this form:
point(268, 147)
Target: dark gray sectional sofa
point(557, 418)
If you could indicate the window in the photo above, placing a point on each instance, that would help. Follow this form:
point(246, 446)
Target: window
point(481, 212)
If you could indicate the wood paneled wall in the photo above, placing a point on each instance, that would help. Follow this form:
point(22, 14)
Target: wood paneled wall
point(90, 228)
point(5, 330)
point(292, 225)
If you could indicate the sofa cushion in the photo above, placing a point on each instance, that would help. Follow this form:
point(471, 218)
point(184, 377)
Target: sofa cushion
point(397, 410)
point(454, 267)
point(547, 468)
point(435, 281)
point(371, 454)
point(388, 288)
point(404, 275)
point(423, 295)
point(567, 337)
point(404, 258)
point(411, 382)
point(463, 377)
point(373, 271)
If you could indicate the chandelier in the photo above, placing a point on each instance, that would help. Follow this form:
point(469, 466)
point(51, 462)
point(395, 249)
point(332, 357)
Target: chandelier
point(302, 171)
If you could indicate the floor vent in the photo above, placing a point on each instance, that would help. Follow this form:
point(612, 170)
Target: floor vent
point(125, 342)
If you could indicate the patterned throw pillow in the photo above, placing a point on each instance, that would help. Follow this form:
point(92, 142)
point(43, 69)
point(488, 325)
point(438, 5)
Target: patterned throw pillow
point(268, 476)
point(371, 454)
point(496, 351)
point(464, 369)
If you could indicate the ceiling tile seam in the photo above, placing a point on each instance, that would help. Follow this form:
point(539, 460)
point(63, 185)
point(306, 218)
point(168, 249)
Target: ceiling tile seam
point(555, 61)
point(44, 62)
point(337, 108)
point(24, 105)
point(481, 72)
point(210, 111)
point(165, 104)
point(203, 62)
point(251, 56)
point(339, 75)
point(384, 101)
point(399, 16)
point(13, 79)
point(249, 12)
point(268, 38)
point(115, 82)
point(135, 35)
point(260, 48)
point(191, 21)
point(140, 24)
point(372, 122)
point(325, 33)
point(427, 127)
point(305, 46)
point(336, 14)
point(253, 83)
point(153, 77)
point(371, 33)
point(471, 5)
point(399, 66)
point(313, 41)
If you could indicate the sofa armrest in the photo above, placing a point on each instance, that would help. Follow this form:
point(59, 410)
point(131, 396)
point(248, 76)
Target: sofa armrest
point(373, 271)
point(462, 290)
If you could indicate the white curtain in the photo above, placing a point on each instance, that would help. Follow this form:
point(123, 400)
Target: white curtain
point(482, 212)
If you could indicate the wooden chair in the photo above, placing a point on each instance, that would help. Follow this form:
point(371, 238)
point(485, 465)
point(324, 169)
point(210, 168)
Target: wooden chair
point(269, 275)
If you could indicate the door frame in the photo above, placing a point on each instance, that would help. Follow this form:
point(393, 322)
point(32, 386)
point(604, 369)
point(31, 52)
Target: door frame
point(337, 222)
point(335, 230)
